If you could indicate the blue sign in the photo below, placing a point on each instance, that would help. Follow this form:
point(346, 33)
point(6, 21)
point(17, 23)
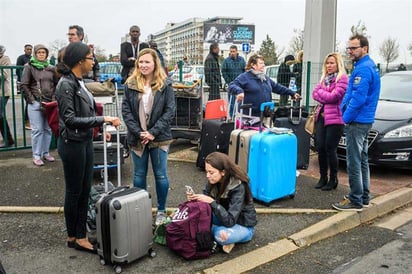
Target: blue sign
point(246, 47)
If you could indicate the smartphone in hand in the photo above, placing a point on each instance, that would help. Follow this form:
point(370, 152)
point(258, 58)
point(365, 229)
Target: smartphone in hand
point(189, 190)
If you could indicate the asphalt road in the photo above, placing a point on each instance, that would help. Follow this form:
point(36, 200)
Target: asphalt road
point(35, 243)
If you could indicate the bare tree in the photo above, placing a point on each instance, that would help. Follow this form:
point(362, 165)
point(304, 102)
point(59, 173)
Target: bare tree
point(296, 43)
point(410, 48)
point(100, 54)
point(389, 50)
point(270, 51)
point(360, 28)
point(55, 46)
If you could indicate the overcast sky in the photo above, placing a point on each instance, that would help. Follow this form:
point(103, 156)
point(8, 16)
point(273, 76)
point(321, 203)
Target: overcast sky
point(105, 21)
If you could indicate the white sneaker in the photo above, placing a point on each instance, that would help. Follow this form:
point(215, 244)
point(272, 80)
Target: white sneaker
point(160, 217)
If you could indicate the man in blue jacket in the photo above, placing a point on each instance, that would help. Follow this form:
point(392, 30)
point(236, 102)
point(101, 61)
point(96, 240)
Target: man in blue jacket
point(232, 66)
point(358, 112)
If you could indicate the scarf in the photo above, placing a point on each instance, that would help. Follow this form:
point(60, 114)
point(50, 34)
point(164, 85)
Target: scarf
point(39, 64)
point(259, 74)
point(329, 78)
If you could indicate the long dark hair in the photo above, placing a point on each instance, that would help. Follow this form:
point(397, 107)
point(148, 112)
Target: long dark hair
point(222, 162)
point(72, 54)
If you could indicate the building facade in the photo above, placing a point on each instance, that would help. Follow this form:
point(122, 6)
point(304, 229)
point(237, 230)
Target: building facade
point(192, 38)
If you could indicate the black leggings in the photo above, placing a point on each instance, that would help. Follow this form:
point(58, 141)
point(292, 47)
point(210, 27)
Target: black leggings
point(77, 158)
point(326, 142)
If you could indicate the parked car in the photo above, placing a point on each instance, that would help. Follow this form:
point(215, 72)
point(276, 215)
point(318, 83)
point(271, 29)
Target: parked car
point(390, 139)
point(111, 70)
point(272, 72)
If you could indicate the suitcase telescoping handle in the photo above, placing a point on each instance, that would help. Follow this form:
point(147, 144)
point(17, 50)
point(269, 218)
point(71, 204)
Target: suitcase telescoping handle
point(238, 113)
point(105, 168)
point(271, 106)
point(292, 107)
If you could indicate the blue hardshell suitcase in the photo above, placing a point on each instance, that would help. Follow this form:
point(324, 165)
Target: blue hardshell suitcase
point(272, 164)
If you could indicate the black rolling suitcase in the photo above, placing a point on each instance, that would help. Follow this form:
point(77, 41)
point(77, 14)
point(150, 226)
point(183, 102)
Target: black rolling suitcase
point(296, 120)
point(215, 136)
point(123, 221)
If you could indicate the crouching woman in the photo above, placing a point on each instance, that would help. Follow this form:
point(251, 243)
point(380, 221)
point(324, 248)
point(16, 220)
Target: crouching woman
point(228, 193)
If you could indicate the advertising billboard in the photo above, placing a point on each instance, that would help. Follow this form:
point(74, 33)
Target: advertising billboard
point(229, 33)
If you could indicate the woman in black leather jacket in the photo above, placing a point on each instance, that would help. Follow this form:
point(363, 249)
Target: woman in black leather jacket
point(229, 195)
point(77, 118)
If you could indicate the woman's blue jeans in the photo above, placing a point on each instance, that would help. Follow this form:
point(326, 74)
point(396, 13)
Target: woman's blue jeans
point(236, 233)
point(41, 134)
point(357, 163)
point(158, 158)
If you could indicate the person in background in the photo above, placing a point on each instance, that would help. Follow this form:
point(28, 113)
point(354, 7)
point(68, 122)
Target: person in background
point(297, 71)
point(21, 61)
point(284, 76)
point(254, 87)
point(358, 112)
point(401, 67)
point(148, 108)
point(228, 193)
point(212, 72)
point(77, 118)
point(5, 94)
point(129, 52)
point(76, 34)
point(186, 62)
point(153, 45)
point(38, 84)
point(232, 67)
point(329, 93)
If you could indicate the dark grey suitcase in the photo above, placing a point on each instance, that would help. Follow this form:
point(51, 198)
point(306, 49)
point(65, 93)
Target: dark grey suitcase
point(124, 226)
point(98, 147)
point(123, 221)
point(296, 121)
point(215, 136)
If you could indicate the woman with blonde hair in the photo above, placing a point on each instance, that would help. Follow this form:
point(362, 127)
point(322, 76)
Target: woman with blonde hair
point(148, 108)
point(329, 93)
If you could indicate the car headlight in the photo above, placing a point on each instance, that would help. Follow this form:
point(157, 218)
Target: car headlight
point(402, 132)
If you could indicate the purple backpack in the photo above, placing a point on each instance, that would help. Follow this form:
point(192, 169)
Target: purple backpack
point(189, 232)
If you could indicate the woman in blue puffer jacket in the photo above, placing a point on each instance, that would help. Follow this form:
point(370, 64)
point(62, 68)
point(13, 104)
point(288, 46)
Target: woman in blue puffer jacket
point(329, 93)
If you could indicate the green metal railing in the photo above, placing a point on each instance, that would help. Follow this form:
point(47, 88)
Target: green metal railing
point(13, 112)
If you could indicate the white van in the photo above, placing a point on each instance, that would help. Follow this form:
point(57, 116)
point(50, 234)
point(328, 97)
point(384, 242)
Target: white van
point(272, 71)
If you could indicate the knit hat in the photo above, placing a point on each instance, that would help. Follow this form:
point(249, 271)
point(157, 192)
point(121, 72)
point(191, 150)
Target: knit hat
point(40, 46)
point(2, 50)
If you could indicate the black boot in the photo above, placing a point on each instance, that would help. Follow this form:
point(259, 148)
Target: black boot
point(322, 182)
point(332, 184)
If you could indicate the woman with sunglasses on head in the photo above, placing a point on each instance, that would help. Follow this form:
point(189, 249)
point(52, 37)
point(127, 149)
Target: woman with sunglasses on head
point(77, 118)
point(254, 87)
point(329, 93)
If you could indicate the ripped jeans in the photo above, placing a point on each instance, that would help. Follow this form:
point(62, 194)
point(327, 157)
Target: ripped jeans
point(158, 158)
point(236, 233)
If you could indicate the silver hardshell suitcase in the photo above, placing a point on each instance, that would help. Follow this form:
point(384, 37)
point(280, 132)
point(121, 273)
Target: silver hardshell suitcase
point(123, 223)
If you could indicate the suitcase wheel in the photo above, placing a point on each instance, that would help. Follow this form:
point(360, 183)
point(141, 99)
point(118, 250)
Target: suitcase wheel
point(152, 253)
point(292, 196)
point(102, 261)
point(117, 269)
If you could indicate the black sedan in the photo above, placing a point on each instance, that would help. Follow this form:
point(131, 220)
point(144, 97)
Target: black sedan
point(390, 139)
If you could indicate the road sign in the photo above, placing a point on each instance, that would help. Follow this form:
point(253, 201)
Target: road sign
point(246, 47)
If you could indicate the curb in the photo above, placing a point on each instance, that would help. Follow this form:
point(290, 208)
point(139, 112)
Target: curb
point(329, 227)
point(50, 209)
